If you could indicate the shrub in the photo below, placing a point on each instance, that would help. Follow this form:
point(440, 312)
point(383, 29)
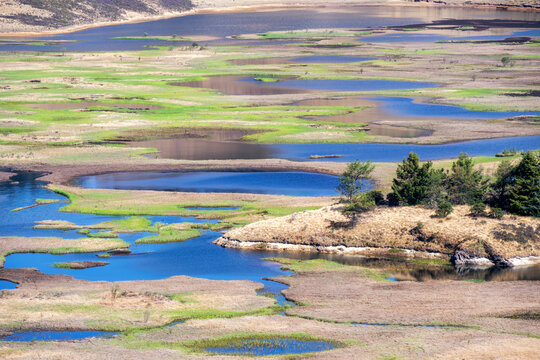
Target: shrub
point(496, 213)
point(478, 209)
point(376, 196)
point(360, 203)
point(444, 209)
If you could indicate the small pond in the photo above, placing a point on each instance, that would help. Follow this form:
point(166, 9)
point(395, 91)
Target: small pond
point(271, 346)
point(260, 182)
point(46, 335)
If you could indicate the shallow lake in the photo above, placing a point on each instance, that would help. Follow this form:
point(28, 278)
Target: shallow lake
point(260, 182)
point(222, 25)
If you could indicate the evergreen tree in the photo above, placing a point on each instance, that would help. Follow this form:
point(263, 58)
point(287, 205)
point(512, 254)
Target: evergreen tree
point(464, 184)
point(412, 184)
point(525, 192)
point(500, 189)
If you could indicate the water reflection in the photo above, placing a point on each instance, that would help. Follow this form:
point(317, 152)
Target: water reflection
point(205, 149)
point(404, 270)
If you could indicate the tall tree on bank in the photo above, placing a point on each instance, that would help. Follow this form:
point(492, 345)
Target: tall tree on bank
point(352, 181)
point(412, 184)
point(524, 195)
point(464, 184)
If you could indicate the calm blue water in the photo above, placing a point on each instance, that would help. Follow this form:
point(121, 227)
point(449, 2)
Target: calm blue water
point(259, 182)
point(262, 347)
point(397, 152)
point(4, 284)
point(229, 24)
point(196, 257)
point(331, 59)
point(400, 106)
point(27, 191)
point(56, 335)
point(218, 25)
point(415, 37)
point(346, 85)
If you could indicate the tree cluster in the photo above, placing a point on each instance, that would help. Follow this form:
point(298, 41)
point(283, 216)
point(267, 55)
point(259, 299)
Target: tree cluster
point(515, 188)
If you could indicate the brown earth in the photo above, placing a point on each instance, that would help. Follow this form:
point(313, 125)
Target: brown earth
point(61, 302)
point(348, 296)
point(18, 244)
point(6, 176)
point(411, 228)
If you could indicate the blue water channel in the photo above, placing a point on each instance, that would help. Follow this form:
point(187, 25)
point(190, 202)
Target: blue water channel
point(397, 152)
point(402, 106)
point(345, 85)
point(415, 37)
point(26, 336)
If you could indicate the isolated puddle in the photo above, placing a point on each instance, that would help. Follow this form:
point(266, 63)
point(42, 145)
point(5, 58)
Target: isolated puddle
point(271, 346)
point(47, 335)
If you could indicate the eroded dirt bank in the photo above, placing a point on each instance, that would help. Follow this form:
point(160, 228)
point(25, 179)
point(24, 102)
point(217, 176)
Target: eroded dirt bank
point(413, 229)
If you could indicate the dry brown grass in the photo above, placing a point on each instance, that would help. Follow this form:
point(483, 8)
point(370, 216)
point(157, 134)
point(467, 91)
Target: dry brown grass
point(392, 228)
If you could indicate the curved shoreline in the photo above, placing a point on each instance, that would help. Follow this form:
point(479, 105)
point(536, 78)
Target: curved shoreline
point(479, 262)
point(248, 8)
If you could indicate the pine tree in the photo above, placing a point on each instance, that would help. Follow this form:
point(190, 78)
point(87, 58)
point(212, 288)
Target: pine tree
point(412, 183)
point(524, 195)
point(464, 184)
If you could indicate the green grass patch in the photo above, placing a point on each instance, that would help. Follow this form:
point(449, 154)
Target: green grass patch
point(167, 235)
point(102, 235)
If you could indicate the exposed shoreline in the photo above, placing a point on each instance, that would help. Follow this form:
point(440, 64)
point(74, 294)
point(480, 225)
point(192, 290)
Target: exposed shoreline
point(410, 232)
point(248, 8)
